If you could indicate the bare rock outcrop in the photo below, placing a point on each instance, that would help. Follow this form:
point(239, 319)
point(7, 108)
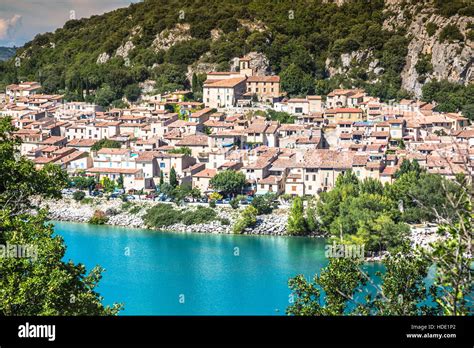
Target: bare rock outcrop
point(452, 61)
point(125, 49)
point(169, 37)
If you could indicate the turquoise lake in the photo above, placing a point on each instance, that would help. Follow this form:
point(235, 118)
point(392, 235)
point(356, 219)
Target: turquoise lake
point(161, 273)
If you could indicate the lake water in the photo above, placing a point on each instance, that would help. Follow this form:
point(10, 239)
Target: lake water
point(159, 273)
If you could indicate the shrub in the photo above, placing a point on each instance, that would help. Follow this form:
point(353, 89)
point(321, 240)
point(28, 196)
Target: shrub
point(212, 203)
point(450, 33)
point(200, 215)
point(162, 215)
point(135, 210)
point(225, 221)
point(265, 203)
point(99, 218)
point(470, 35)
point(127, 205)
point(215, 196)
point(234, 203)
point(248, 218)
point(431, 28)
point(87, 200)
point(78, 196)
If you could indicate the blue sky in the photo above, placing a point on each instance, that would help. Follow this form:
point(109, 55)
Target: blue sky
point(21, 20)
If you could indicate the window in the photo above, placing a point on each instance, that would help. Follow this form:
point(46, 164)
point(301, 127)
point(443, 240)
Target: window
point(162, 165)
point(293, 188)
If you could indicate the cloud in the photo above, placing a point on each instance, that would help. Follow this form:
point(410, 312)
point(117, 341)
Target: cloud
point(8, 27)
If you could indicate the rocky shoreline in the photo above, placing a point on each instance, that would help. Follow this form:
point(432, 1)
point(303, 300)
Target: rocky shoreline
point(69, 210)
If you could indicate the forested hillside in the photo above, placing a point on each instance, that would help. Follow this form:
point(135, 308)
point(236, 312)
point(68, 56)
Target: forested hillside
point(314, 45)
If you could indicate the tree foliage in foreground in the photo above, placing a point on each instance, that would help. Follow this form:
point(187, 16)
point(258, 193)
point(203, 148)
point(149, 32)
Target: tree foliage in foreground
point(403, 289)
point(364, 212)
point(41, 284)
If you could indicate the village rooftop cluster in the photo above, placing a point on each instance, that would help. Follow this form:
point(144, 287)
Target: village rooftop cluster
point(231, 130)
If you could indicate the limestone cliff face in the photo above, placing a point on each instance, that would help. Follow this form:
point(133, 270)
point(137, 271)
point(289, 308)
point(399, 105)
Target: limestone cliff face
point(451, 60)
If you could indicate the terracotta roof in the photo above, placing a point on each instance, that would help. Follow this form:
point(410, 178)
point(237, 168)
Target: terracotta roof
point(328, 159)
point(263, 78)
point(106, 151)
point(206, 173)
point(226, 83)
point(113, 170)
point(194, 140)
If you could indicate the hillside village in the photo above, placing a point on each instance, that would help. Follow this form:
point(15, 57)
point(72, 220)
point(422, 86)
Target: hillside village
point(232, 130)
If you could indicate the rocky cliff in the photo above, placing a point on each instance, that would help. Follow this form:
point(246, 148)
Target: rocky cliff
point(450, 59)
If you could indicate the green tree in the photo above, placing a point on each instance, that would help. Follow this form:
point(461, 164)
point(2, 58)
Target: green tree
point(173, 179)
point(108, 184)
point(229, 182)
point(344, 281)
point(248, 218)
point(42, 284)
point(106, 143)
point(453, 285)
point(104, 96)
point(296, 82)
point(296, 220)
point(340, 281)
point(265, 203)
point(132, 92)
point(312, 223)
point(82, 182)
point(408, 166)
point(181, 150)
point(78, 195)
point(120, 181)
point(19, 181)
point(403, 290)
point(162, 179)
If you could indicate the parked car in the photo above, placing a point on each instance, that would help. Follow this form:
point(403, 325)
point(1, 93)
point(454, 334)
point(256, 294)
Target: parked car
point(226, 200)
point(130, 197)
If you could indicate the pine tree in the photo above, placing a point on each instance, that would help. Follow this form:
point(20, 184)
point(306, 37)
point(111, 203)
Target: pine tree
point(173, 179)
point(296, 220)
